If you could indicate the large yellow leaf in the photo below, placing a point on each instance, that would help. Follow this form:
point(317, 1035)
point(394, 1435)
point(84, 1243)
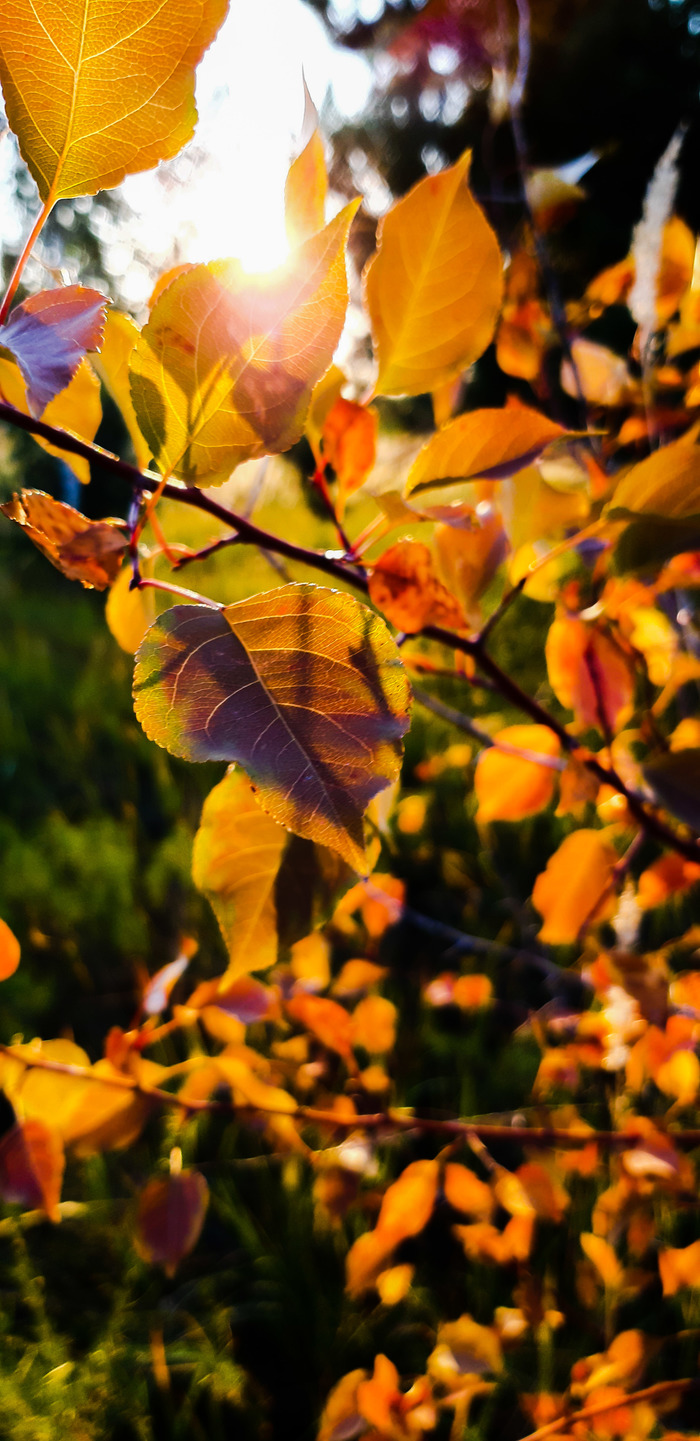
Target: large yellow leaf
point(90, 551)
point(303, 686)
point(236, 857)
point(96, 91)
point(434, 287)
point(483, 444)
point(223, 371)
point(666, 484)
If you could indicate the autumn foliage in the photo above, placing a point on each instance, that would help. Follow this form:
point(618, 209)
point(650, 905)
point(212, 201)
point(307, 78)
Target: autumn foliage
point(569, 1218)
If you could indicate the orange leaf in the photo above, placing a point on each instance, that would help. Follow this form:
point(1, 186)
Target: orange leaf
point(404, 585)
point(509, 787)
point(573, 890)
point(374, 1025)
point(170, 1218)
point(348, 443)
point(9, 951)
point(679, 1268)
point(482, 444)
point(589, 674)
point(408, 1204)
point(466, 1192)
point(307, 182)
point(90, 551)
point(329, 1022)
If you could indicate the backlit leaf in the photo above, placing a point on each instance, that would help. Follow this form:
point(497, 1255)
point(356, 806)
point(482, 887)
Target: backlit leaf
point(302, 686)
point(235, 860)
point(49, 334)
point(31, 1167)
point(467, 1193)
point(95, 93)
point(112, 366)
point(349, 442)
point(589, 674)
point(666, 484)
point(307, 182)
point(509, 787)
point(434, 287)
point(328, 1021)
point(570, 891)
point(129, 612)
point(469, 555)
point(374, 1025)
point(404, 585)
point(680, 1267)
point(90, 551)
point(77, 409)
point(170, 1218)
point(224, 369)
point(483, 444)
point(9, 951)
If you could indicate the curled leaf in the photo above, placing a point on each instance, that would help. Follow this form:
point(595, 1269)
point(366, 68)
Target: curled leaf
point(49, 334)
point(405, 586)
point(482, 445)
point(90, 551)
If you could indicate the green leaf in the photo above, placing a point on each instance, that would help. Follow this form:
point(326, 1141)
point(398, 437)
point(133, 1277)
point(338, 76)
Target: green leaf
point(303, 687)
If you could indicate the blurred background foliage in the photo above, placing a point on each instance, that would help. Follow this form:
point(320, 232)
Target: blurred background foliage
point(96, 824)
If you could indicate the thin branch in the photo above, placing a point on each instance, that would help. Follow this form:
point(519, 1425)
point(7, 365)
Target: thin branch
point(470, 728)
point(599, 1408)
point(331, 564)
point(390, 1121)
point(180, 592)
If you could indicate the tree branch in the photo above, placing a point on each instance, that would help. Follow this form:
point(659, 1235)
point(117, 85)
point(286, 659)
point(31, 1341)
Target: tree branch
point(599, 1408)
point(330, 564)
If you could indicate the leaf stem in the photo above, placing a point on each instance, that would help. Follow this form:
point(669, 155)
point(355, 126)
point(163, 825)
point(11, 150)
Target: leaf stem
point(23, 257)
point(179, 590)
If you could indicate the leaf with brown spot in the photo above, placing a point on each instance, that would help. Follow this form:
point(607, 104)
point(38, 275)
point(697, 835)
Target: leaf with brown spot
point(31, 1167)
point(405, 587)
point(90, 551)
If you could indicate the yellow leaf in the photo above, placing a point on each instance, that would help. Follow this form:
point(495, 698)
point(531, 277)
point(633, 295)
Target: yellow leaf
point(666, 484)
point(340, 1414)
point(112, 366)
point(468, 556)
point(475, 1348)
point(95, 93)
point(434, 287)
point(602, 375)
point(601, 1253)
point(235, 860)
point(394, 1284)
point(77, 409)
point(483, 444)
point(225, 367)
point(374, 1025)
point(509, 787)
point(310, 962)
point(570, 892)
point(9, 951)
point(129, 612)
point(307, 182)
point(679, 1076)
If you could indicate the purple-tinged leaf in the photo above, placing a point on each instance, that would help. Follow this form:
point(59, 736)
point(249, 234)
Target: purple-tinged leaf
point(49, 334)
